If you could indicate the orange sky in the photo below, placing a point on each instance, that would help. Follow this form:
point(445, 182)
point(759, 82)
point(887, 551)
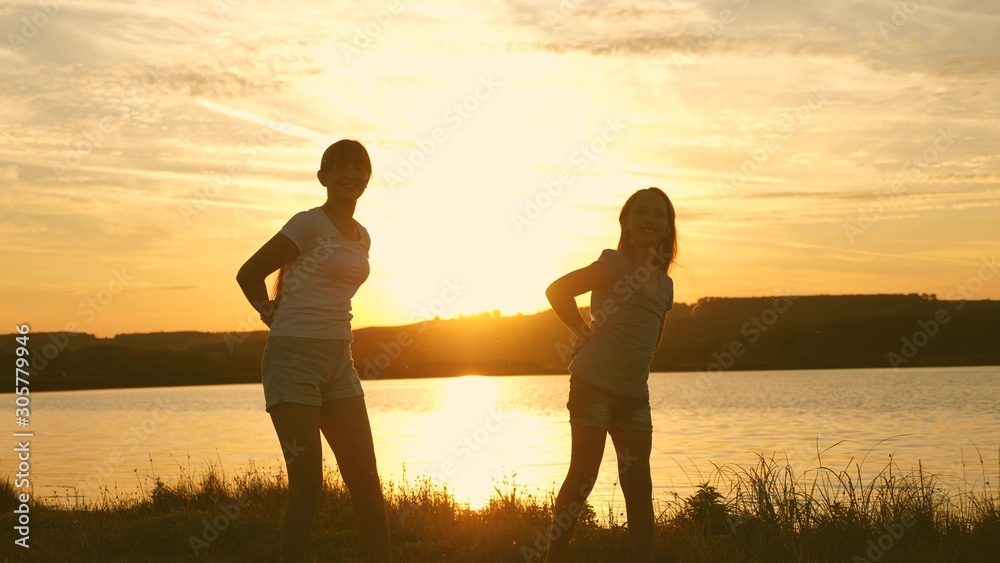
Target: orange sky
point(147, 151)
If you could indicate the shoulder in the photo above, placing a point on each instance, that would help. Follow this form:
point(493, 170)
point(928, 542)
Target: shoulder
point(308, 216)
point(612, 255)
point(302, 228)
point(615, 261)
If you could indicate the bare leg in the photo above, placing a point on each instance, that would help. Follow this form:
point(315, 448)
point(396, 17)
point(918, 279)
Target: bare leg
point(297, 427)
point(633, 448)
point(345, 424)
point(585, 461)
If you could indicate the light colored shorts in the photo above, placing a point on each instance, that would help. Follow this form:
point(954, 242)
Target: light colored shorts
point(308, 371)
point(593, 405)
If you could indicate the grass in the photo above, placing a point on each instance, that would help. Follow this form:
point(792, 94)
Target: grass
point(760, 513)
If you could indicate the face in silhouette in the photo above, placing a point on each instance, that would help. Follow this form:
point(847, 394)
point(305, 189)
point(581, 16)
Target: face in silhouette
point(345, 179)
point(646, 222)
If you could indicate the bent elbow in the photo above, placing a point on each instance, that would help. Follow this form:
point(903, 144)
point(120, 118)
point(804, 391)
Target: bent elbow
point(553, 293)
point(244, 275)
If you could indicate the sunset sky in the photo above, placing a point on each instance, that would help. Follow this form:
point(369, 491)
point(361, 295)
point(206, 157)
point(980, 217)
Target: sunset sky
point(147, 149)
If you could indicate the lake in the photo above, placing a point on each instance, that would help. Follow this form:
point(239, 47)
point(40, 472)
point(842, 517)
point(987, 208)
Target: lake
point(475, 432)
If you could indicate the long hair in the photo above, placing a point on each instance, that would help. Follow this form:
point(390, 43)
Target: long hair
point(667, 248)
point(337, 154)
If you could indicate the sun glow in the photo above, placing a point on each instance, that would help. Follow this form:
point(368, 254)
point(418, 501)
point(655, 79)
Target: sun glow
point(502, 152)
point(471, 437)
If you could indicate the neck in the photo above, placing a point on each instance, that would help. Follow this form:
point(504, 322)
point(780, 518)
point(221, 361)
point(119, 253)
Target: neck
point(340, 210)
point(637, 254)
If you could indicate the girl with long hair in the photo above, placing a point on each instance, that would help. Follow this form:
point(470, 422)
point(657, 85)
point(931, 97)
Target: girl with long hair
point(609, 393)
point(310, 383)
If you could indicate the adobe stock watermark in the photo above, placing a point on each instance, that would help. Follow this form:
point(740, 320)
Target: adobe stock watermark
point(929, 328)
point(554, 17)
point(88, 309)
point(34, 24)
point(470, 443)
point(130, 439)
point(912, 170)
point(759, 156)
point(623, 289)
point(366, 34)
point(392, 350)
point(736, 519)
point(893, 533)
point(826, 435)
point(563, 521)
point(295, 273)
point(582, 158)
point(403, 510)
point(713, 29)
point(455, 116)
point(219, 181)
point(224, 7)
point(123, 103)
point(901, 14)
point(228, 512)
point(726, 358)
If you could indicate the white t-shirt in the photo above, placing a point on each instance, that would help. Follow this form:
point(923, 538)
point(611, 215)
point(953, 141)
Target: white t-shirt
point(318, 285)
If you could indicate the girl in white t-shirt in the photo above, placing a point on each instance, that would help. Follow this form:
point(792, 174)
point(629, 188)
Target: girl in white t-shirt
point(310, 383)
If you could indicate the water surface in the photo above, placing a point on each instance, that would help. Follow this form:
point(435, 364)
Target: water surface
point(473, 433)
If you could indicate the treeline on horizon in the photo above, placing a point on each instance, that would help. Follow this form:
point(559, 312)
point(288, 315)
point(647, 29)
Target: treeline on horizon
point(716, 334)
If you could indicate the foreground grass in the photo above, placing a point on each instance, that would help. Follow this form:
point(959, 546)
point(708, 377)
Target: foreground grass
point(755, 514)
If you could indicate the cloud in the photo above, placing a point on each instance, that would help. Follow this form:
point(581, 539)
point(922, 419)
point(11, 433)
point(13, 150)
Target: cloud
point(564, 66)
point(927, 41)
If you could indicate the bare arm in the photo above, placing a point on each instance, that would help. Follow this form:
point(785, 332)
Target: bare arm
point(274, 254)
point(562, 292)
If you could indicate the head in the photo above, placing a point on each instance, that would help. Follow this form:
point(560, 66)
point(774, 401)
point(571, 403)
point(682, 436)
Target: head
point(647, 221)
point(345, 170)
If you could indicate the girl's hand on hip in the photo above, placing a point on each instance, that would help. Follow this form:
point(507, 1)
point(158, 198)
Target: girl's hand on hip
point(267, 314)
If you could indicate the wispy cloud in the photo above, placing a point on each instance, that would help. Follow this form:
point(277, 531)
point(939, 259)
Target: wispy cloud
point(114, 115)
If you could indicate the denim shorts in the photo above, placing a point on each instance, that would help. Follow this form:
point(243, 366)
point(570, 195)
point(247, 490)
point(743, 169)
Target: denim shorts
point(593, 405)
point(308, 371)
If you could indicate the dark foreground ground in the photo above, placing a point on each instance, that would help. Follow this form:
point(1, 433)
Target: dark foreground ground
point(764, 513)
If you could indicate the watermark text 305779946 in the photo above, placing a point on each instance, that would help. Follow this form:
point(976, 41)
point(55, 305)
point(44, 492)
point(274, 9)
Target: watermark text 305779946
point(22, 414)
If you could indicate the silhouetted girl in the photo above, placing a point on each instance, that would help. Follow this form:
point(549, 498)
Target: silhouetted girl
point(310, 383)
point(630, 295)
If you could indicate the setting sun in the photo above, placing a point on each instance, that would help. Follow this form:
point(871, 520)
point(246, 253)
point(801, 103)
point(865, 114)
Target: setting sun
point(496, 165)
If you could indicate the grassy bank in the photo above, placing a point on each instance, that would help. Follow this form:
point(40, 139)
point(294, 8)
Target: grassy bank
point(765, 512)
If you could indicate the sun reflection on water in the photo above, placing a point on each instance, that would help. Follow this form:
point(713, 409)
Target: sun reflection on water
point(470, 437)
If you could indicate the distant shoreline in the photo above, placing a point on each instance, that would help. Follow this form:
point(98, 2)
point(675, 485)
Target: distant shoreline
point(713, 335)
point(564, 374)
